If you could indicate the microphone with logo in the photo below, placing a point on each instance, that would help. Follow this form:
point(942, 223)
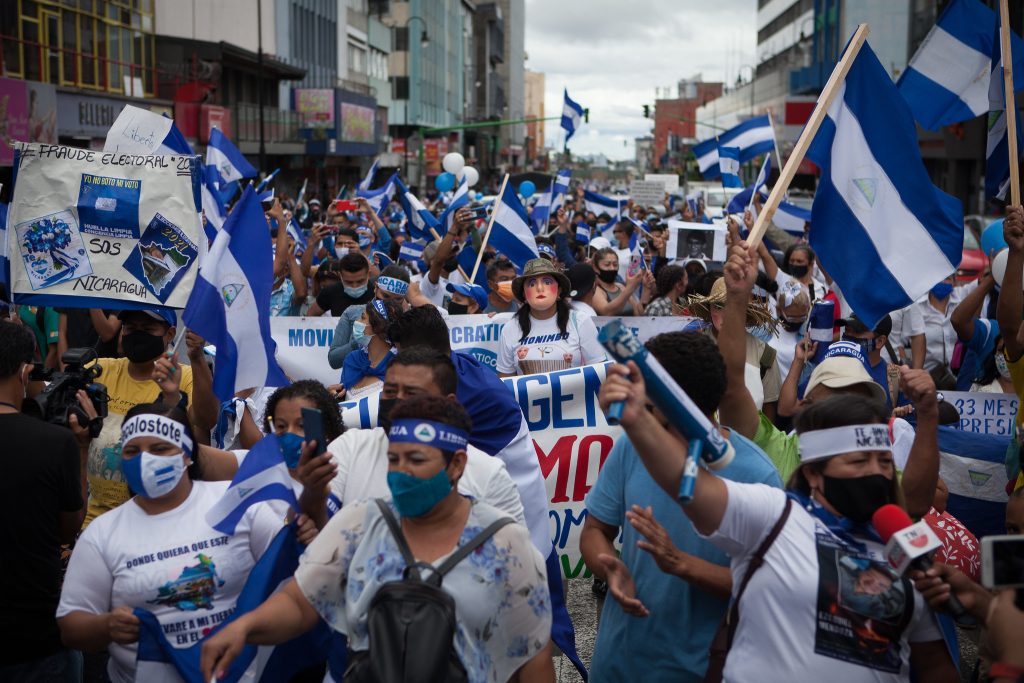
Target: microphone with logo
point(910, 546)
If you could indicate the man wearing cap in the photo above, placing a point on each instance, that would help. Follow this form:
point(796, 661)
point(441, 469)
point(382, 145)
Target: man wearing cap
point(841, 372)
point(466, 299)
point(872, 342)
point(147, 374)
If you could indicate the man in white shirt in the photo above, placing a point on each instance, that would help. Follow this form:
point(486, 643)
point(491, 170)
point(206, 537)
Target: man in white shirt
point(907, 330)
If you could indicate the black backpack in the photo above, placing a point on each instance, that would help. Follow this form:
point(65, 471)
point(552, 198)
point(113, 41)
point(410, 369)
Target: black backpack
point(411, 622)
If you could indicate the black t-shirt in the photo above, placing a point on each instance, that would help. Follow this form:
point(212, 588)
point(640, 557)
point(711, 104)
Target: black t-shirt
point(41, 478)
point(82, 333)
point(334, 299)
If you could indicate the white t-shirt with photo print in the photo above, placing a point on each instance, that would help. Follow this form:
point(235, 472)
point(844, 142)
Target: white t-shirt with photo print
point(173, 564)
point(547, 349)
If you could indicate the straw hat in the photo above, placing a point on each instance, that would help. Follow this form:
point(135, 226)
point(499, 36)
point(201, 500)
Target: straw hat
point(758, 314)
point(541, 266)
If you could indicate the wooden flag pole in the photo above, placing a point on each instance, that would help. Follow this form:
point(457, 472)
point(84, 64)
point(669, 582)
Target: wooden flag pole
point(490, 224)
point(828, 94)
point(1011, 105)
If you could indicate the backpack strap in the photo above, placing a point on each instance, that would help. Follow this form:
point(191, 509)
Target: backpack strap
point(756, 560)
point(472, 545)
point(396, 532)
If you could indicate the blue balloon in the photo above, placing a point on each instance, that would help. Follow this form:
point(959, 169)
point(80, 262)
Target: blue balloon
point(526, 189)
point(445, 182)
point(479, 196)
point(992, 238)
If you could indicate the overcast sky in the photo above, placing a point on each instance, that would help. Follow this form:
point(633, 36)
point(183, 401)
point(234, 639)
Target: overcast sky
point(612, 54)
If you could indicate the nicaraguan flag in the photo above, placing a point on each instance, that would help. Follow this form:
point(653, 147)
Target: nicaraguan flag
point(973, 467)
point(230, 303)
point(510, 229)
point(263, 475)
point(540, 212)
point(949, 77)
point(753, 137)
point(745, 198)
point(729, 166)
point(559, 189)
point(266, 181)
point(572, 116)
point(791, 218)
point(883, 231)
point(300, 238)
point(461, 199)
point(410, 251)
point(366, 182)
point(997, 147)
point(273, 663)
point(599, 204)
point(583, 233)
point(380, 198)
point(419, 219)
point(228, 164)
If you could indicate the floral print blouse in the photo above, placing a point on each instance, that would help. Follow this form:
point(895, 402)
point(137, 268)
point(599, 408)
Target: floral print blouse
point(502, 604)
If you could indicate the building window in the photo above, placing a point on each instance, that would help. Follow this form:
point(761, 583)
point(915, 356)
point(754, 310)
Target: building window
point(356, 59)
point(105, 46)
point(401, 38)
point(399, 87)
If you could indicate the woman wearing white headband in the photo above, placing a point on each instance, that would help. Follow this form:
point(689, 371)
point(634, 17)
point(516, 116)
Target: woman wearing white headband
point(157, 552)
point(824, 604)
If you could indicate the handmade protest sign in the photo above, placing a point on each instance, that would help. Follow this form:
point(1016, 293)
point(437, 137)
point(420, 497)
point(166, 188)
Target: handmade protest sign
point(90, 228)
point(695, 240)
point(984, 413)
point(647, 192)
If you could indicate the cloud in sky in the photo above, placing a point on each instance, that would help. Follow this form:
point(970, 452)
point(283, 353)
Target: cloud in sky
point(612, 54)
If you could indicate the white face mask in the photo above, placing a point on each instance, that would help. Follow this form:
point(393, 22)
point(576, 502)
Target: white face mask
point(151, 475)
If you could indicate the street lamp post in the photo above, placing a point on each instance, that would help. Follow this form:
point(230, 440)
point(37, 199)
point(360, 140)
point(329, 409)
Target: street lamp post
point(424, 42)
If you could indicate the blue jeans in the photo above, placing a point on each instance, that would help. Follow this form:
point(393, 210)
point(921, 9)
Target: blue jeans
point(61, 667)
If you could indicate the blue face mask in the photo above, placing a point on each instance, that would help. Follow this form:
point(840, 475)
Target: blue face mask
point(291, 448)
point(364, 242)
point(415, 497)
point(942, 290)
point(356, 292)
point(359, 333)
point(153, 476)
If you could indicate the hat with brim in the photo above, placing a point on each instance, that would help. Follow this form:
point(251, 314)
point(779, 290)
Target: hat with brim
point(841, 372)
point(474, 292)
point(535, 268)
point(158, 314)
point(758, 314)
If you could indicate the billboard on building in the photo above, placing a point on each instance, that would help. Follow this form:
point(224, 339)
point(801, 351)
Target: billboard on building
point(357, 123)
point(13, 116)
point(42, 113)
point(315, 106)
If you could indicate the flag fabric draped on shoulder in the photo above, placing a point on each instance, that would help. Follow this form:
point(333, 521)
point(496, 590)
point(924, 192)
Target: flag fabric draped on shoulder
point(883, 231)
point(947, 80)
point(729, 166)
point(753, 137)
point(230, 304)
point(572, 116)
point(419, 219)
point(263, 475)
point(510, 229)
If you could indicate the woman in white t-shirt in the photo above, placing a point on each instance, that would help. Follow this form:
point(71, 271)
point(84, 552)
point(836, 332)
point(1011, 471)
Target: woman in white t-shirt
point(157, 552)
point(825, 604)
point(545, 334)
point(793, 307)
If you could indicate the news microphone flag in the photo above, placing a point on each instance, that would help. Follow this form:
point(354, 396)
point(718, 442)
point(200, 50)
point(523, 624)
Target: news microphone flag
point(447, 218)
point(366, 182)
point(572, 116)
point(273, 663)
point(263, 475)
point(904, 540)
point(753, 137)
point(380, 198)
point(419, 219)
point(883, 231)
point(230, 303)
point(510, 229)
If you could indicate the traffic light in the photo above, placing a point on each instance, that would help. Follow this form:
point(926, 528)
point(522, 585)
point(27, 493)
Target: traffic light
point(647, 111)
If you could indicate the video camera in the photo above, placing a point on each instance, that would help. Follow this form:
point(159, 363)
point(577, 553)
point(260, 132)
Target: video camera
point(59, 401)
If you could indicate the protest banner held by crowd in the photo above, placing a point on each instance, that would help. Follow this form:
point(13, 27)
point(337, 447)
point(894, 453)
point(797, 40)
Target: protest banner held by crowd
point(387, 434)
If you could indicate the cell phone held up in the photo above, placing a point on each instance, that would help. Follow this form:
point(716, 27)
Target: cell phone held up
point(1002, 564)
point(313, 426)
point(345, 205)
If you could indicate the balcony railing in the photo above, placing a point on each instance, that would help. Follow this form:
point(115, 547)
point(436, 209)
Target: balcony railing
point(278, 125)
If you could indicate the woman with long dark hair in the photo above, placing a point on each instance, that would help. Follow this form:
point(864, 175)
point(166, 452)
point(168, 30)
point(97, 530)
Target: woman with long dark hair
point(546, 334)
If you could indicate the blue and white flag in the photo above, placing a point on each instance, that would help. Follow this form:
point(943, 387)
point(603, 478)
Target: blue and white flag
point(548, 203)
point(224, 162)
point(729, 166)
point(883, 231)
point(572, 116)
point(792, 218)
point(510, 229)
point(366, 182)
point(541, 211)
point(762, 177)
point(295, 230)
point(230, 303)
point(997, 147)
point(461, 199)
point(262, 185)
point(410, 251)
point(599, 204)
point(973, 467)
point(380, 198)
point(140, 131)
point(559, 189)
point(583, 232)
point(948, 79)
point(419, 218)
point(263, 475)
point(753, 137)
point(273, 663)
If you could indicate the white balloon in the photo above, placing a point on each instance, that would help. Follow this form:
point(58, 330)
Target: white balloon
point(999, 266)
point(472, 176)
point(453, 162)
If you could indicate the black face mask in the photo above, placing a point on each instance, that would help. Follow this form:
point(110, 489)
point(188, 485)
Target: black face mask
point(792, 326)
point(140, 347)
point(799, 271)
point(857, 498)
point(384, 411)
point(458, 309)
point(607, 276)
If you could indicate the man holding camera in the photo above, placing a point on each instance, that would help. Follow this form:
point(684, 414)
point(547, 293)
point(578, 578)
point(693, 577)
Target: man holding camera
point(43, 497)
point(148, 373)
